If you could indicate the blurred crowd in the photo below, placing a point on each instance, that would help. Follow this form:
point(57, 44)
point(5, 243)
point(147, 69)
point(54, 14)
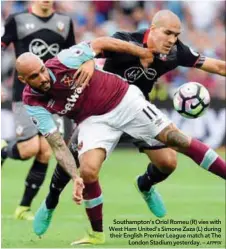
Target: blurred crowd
point(204, 26)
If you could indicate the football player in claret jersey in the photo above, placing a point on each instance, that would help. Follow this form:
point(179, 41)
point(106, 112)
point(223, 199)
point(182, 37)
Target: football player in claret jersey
point(104, 110)
point(42, 31)
point(168, 52)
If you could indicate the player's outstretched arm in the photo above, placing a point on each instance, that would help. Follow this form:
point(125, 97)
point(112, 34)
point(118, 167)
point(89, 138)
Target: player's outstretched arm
point(214, 66)
point(66, 160)
point(116, 45)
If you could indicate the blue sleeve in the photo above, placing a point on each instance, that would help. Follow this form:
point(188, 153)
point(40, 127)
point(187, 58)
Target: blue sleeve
point(76, 55)
point(42, 119)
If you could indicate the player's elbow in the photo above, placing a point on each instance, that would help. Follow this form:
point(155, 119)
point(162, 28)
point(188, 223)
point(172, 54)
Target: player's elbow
point(97, 45)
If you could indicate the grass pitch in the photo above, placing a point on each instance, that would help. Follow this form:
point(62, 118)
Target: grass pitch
point(190, 193)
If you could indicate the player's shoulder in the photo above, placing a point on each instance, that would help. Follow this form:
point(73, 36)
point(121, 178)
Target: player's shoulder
point(20, 13)
point(179, 42)
point(16, 14)
point(62, 15)
point(183, 48)
point(130, 36)
point(29, 97)
point(74, 56)
point(139, 33)
point(180, 45)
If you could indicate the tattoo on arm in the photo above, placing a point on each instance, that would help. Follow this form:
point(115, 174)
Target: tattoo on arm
point(62, 153)
point(177, 139)
point(174, 138)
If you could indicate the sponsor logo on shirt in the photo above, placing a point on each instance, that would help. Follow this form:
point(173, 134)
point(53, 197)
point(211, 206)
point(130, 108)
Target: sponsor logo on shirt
point(71, 101)
point(134, 73)
point(41, 48)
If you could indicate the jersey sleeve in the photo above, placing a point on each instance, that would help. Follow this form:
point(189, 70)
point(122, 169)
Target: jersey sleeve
point(187, 57)
point(76, 55)
point(118, 35)
point(115, 59)
point(42, 119)
point(9, 32)
point(70, 41)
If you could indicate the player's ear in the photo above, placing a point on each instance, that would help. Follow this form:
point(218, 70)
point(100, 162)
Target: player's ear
point(21, 79)
point(152, 27)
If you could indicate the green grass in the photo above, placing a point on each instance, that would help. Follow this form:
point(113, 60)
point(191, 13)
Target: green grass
point(190, 193)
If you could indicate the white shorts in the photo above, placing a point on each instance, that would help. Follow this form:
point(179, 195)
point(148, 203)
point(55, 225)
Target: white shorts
point(134, 115)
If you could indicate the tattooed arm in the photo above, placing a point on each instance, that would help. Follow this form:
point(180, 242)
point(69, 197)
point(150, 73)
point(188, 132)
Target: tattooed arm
point(45, 123)
point(62, 153)
point(66, 160)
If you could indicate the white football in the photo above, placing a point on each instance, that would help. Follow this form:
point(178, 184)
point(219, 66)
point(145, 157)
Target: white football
point(191, 100)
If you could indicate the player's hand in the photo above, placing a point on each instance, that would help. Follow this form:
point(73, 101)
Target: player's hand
point(78, 187)
point(147, 59)
point(84, 73)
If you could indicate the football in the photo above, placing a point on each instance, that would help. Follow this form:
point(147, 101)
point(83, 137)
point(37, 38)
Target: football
point(191, 100)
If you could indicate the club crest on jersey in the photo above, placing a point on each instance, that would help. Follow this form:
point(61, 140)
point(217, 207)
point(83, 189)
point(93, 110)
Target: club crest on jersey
point(67, 80)
point(163, 57)
point(19, 130)
point(60, 26)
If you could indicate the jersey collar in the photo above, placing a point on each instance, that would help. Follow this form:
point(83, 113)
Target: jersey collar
point(145, 39)
point(53, 77)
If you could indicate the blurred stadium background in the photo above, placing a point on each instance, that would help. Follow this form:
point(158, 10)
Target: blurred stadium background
point(190, 191)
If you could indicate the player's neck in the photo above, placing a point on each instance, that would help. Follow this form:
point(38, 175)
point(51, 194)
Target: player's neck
point(39, 12)
point(151, 46)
